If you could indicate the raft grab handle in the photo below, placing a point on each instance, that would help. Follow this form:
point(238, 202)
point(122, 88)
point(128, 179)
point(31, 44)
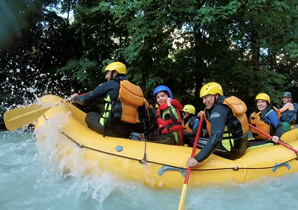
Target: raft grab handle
point(277, 165)
point(163, 169)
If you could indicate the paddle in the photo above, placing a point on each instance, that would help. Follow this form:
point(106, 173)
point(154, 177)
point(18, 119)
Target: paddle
point(17, 118)
point(270, 137)
point(184, 188)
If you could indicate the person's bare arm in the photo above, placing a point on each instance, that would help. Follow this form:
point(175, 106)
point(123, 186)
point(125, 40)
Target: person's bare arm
point(287, 106)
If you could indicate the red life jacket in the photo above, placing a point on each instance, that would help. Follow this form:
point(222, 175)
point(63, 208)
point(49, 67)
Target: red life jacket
point(168, 126)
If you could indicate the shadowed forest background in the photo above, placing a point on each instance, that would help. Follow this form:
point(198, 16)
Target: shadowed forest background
point(61, 47)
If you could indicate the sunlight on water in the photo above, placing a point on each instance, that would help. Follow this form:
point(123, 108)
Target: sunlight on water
point(30, 178)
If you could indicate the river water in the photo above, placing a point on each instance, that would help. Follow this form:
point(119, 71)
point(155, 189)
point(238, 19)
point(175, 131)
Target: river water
point(29, 180)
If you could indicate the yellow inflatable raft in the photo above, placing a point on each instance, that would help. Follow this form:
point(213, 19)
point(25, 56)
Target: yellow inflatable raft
point(152, 164)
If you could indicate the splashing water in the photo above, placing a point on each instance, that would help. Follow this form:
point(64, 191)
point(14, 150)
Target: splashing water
point(33, 177)
point(96, 187)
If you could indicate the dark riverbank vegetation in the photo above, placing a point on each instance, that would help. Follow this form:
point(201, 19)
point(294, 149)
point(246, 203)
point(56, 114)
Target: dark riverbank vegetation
point(61, 47)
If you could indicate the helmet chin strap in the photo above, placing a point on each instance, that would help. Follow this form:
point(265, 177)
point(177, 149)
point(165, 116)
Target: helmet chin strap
point(215, 99)
point(114, 74)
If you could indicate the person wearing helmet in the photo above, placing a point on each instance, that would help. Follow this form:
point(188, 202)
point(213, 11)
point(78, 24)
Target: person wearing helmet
point(190, 123)
point(226, 123)
point(288, 111)
point(104, 123)
point(267, 120)
point(168, 128)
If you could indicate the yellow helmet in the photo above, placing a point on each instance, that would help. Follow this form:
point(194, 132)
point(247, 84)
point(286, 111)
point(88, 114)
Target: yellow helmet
point(117, 66)
point(263, 96)
point(211, 88)
point(190, 109)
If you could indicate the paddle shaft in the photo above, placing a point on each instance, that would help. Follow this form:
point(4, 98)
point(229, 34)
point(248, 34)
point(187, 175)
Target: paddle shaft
point(71, 100)
point(184, 188)
point(194, 150)
point(270, 137)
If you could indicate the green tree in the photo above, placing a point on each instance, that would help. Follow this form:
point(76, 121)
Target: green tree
point(246, 46)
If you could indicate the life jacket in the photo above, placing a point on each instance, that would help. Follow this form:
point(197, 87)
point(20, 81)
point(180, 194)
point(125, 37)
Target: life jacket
point(112, 109)
point(259, 121)
point(105, 118)
point(130, 98)
point(295, 107)
point(289, 115)
point(188, 126)
point(169, 126)
point(237, 127)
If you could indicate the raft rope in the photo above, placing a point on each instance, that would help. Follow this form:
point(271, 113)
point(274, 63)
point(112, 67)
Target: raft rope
point(144, 161)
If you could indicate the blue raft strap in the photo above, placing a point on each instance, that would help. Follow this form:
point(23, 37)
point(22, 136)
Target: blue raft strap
point(277, 165)
point(163, 169)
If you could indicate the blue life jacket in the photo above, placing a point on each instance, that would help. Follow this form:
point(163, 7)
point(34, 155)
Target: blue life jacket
point(290, 115)
point(295, 107)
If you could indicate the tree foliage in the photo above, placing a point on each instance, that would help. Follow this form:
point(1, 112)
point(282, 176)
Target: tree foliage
point(246, 46)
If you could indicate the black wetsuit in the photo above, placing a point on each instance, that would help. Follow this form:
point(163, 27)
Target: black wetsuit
point(219, 116)
point(109, 126)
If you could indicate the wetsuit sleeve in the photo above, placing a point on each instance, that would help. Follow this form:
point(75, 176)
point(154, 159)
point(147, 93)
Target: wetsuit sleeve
point(218, 119)
point(99, 92)
point(189, 134)
point(272, 118)
point(279, 131)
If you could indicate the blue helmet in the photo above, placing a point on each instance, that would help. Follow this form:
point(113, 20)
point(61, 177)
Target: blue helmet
point(163, 88)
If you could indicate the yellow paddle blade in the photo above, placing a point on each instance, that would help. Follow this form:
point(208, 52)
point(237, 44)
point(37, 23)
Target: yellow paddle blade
point(17, 118)
point(182, 198)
